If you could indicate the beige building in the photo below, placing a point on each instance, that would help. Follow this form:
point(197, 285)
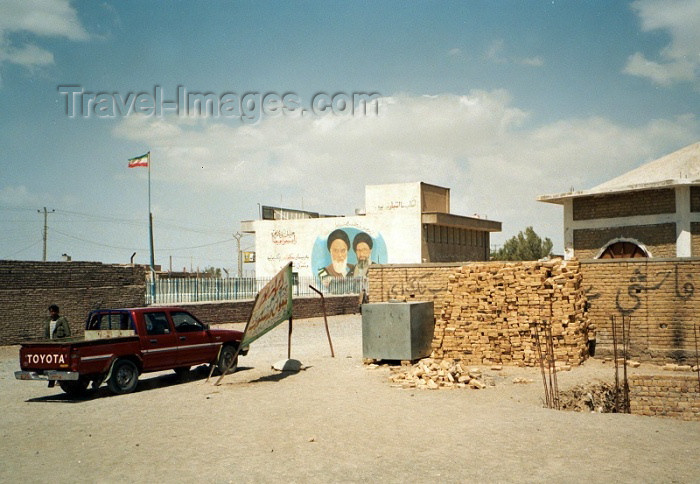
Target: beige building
point(651, 211)
point(401, 223)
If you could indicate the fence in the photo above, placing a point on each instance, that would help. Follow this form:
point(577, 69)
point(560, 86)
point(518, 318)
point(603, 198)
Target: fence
point(206, 289)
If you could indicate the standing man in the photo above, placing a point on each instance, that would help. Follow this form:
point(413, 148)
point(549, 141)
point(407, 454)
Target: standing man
point(56, 326)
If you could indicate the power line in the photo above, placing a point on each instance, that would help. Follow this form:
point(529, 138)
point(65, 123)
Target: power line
point(228, 241)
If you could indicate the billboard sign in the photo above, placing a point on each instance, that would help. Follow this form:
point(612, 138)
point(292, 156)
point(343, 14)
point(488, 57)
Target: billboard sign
point(273, 305)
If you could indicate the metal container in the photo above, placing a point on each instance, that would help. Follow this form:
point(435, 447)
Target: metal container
point(397, 330)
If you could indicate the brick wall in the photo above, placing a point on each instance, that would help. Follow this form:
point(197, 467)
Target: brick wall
point(659, 239)
point(28, 288)
point(667, 396)
point(658, 295)
point(644, 202)
point(238, 311)
point(695, 199)
point(411, 282)
point(484, 310)
point(695, 239)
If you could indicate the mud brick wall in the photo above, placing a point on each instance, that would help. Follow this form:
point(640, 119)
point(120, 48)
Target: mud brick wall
point(667, 396)
point(660, 297)
point(28, 288)
point(695, 238)
point(302, 308)
point(484, 310)
point(659, 239)
point(411, 282)
point(645, 202)
point(490, 311)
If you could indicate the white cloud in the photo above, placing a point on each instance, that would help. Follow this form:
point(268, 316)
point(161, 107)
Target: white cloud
point(40, 18)
point(679, 61)
point(28, 55)
point(454, 52)
point(477, 144)
point(17, 196)
point(536, 61)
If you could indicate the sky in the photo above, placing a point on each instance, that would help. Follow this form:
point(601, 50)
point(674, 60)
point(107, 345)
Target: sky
point(499, 101)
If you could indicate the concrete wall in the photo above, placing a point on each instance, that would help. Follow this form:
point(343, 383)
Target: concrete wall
point(393, 220)
point(28, 288)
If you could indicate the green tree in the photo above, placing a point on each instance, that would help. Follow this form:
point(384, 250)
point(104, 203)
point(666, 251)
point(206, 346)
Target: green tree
point(526, 245)
point(211, 272)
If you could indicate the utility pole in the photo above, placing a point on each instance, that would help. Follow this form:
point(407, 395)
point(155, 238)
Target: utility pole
point(238, 237)
point(46, 215)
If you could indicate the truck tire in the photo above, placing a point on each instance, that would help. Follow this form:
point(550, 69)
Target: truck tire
point(124, 378)
point(226, 360)
point(75, 388)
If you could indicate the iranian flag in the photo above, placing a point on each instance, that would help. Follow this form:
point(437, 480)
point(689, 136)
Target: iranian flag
point(140, 160)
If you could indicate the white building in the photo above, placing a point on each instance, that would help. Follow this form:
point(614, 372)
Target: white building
point(402, 223)
point(651, 211)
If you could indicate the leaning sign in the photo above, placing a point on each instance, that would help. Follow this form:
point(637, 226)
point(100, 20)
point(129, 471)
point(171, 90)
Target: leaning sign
point(273, 305)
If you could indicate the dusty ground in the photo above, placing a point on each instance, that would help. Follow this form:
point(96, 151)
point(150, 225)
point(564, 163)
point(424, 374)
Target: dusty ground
point(336, 421)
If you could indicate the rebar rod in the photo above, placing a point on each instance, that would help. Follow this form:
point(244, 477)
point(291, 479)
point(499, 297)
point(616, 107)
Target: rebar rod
point(697, 358)
point(538, 348)
point(617, 378)
point(625, 350)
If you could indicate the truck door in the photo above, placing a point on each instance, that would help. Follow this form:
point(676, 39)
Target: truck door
point(159, 345)
point(195, 345)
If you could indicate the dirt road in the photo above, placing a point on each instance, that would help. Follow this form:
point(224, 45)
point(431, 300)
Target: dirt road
point(336, 421)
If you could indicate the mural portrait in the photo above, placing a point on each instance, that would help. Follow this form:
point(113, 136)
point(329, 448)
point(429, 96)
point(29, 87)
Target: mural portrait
point(347, 252)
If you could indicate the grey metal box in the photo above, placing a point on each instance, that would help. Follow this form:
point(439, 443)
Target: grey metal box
point(397, 330)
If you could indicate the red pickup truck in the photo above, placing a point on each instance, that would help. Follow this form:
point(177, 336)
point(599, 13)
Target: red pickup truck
point(120, 344)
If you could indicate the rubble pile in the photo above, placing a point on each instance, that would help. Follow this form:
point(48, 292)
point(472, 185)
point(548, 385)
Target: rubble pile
point(433, 374)
point(492, 311)
point(593, 397)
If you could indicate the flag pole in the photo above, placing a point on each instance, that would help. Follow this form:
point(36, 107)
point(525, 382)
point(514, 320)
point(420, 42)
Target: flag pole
point(150, 233)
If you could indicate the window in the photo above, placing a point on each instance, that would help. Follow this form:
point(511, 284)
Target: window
point(101, 321)
point(156, 323)
point(623, 250)
point(185, 322)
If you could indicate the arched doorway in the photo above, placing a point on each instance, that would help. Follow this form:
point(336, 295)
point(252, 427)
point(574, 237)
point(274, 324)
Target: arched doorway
point(623, 249)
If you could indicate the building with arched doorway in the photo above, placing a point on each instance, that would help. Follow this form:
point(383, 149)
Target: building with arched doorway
point(651, 211)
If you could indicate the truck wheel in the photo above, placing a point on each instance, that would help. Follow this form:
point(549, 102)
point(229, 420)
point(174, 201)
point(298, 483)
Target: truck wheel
point(226, 360)
point(125, 377)
point(75, 388)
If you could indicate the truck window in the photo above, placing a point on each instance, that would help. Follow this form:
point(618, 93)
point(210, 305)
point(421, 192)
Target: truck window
point(185, 322)
point(156, 323)
point(100, 321)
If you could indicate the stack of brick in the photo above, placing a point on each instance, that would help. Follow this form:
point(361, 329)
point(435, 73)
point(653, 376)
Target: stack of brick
point(491, 310)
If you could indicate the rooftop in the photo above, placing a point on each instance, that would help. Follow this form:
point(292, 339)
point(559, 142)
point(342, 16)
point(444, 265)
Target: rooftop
point(681, 167)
